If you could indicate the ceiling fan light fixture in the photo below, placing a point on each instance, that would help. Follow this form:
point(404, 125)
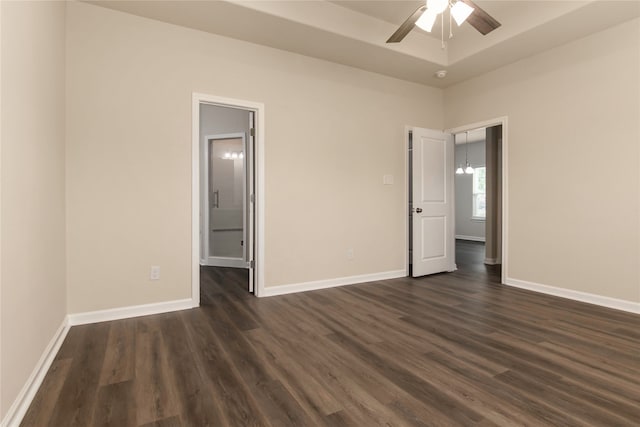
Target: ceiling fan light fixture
point(461, 11)
point(428, 11)
point(437, 6)
point(427, 20)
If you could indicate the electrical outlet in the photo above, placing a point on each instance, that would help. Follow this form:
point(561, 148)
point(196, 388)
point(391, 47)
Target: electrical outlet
point(155, 273)
point(350, 254)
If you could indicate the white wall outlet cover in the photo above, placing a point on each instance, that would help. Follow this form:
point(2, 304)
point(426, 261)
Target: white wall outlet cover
point(387, 179)
point(155, 273)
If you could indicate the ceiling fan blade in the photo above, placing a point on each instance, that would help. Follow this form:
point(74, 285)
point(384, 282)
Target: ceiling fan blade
point(407, 25)
point(481, 20)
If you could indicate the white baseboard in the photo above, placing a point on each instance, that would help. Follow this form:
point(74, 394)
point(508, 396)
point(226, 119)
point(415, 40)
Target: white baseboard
point(472, 238)
point(127, 312)
point(618, 304)
point(18, 409)
point(332, 283)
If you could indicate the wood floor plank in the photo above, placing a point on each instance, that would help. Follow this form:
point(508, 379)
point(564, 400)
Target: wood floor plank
point(586, 379)
point(535, 389)
point(411, 383)
point(165, 422)
point(241, 319)
point(77, 398)
point(406, 406)
point(193, 394)
point(119, 361)
point(45, 399)
point(511, 399)
point(115, 405)
point(296, 312)
point(340, 419)
point(608, 377)
point(459, 390)
point(75, 337)
point(274, 400)
point(306, 389)
point(364, 407)
point(154, 385)
point(231, 402)
point(346, 364)
point(577, 382)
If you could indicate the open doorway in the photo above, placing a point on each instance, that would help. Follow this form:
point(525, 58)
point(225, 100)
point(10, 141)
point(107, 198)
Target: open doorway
point(225, 202)
point(226, 188)
point(227, 215)
point(431, 164)
point(478, 198)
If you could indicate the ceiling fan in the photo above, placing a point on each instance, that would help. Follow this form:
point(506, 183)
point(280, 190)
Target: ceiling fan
point(460, 10)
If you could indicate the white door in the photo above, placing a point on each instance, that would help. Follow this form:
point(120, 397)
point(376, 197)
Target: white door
point(433, 209)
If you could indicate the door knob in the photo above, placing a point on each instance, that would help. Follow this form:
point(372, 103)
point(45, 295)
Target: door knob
point(419, 210)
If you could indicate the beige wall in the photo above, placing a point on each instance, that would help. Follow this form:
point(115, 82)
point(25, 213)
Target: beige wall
point(32, 188)
point(332, 132)
point(573, 142)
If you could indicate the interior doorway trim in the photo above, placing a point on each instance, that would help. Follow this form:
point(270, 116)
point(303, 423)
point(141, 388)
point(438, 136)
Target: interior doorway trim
point(505, 182)
point(258, 109)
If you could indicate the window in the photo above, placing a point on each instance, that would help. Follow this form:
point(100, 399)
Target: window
point(479, 210)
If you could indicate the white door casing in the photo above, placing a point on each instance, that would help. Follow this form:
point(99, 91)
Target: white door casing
point(259, 198)
point(250, 200)
point(504, 246)
point(433, 206)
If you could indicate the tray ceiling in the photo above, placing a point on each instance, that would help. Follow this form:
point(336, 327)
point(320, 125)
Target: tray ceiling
point(353, 33)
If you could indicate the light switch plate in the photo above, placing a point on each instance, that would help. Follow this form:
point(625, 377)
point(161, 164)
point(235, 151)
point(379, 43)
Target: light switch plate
point(387, 179)
point(155, 273)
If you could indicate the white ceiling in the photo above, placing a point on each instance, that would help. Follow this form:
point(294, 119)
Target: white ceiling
point(354, 32)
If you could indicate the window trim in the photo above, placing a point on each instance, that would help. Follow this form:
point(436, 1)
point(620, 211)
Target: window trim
point(473, 194)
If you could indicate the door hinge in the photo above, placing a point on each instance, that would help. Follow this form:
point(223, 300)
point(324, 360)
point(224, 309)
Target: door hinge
point(252, 198)
point(253, 132)
point(252, 264)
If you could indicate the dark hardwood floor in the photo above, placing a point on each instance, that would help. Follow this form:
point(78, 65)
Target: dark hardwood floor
point(470, 258)
point(445, 350)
